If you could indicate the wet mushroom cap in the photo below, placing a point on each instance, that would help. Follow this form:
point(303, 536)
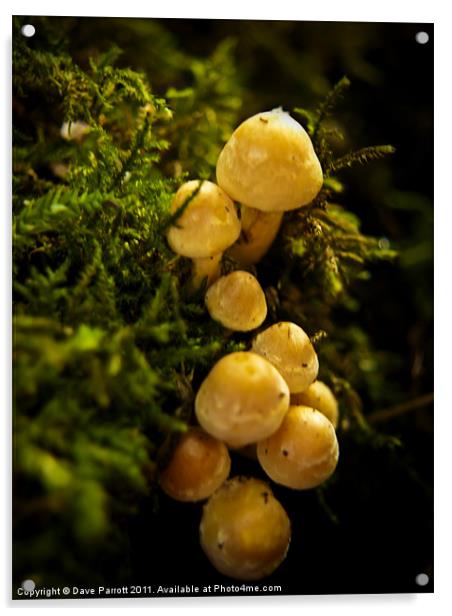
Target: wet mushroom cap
point(208, 225)
point(198, 466)
point(269, 163)
point(242, 400)
point(319, 396)
point(290, 350)
point(303, 452)
point(237, 301)
point(244, 530)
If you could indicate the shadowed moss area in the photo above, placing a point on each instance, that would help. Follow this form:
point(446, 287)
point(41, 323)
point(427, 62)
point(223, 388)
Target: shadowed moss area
point(111, 343)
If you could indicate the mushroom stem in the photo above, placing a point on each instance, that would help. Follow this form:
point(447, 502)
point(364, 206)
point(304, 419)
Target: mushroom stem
point(259, 229)
point(206, 267)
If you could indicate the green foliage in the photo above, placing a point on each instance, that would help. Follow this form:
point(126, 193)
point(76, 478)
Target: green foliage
point(109, 339)
point(315, 119)
point(330, 249)
point(205, 112)
point(105, 328)
point(322, 135)
point(362, 157)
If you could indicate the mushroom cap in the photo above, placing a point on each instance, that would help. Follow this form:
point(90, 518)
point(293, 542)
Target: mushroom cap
point(244, 530)
point(303, 452)
point(74, 131)
point(242, 400)
point(198, 466)
point(319, 396)
point(269, 163)
point(289, 349)
point(209, 223)
point(237, 301)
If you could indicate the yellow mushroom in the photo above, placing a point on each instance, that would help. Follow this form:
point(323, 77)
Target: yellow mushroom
point(242, 400)
point(198, 466)
point(237, 301)
point(269, 163)
point(303, 452)
point(244, 530)
point(289, 349)
point(319, 396)
point(74, 131)
point(208, 225)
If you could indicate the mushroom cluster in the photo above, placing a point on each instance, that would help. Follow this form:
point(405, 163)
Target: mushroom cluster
point(268, 397)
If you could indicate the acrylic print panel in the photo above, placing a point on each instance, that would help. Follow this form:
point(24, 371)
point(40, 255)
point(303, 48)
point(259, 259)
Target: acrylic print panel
point(138, 391)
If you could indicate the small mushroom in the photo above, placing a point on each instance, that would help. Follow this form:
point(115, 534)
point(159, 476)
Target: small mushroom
point(74, 131)
point(269, 163)
point(303, 452)
point(319, 396)
point(259, 229)
point(289, 349)
point(208, 225)
point(242, 400)
point(237, 301)
point(244, 530)
point(198, 466)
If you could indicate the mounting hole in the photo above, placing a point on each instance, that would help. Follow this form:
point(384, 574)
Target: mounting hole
point(28, 585)
point(422, 579)
point(28, 30)
point(422, 38)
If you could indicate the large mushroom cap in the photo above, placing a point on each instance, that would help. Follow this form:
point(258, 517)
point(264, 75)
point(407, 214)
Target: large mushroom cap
point(198, 466)
point(208, 225)
point(242, 400)
point(237, 301)
point(244, 530)
point(269, 163)
point(319, 396)
point(303, 452)
point(289, 349)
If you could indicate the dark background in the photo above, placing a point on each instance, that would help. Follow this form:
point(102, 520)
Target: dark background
point(379, 535)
